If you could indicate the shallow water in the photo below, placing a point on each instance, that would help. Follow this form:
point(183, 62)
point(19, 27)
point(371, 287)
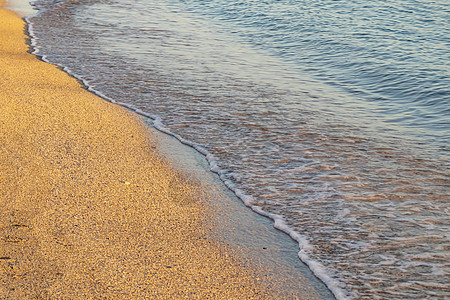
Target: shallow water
point(21, 7)
point(331, 117)
point(249, 234)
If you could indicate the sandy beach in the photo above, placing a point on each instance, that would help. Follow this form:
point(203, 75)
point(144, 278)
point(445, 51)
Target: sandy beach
point(89, 210)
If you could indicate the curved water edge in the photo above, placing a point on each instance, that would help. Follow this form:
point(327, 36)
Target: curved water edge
point(342, 191)
point(320, 271)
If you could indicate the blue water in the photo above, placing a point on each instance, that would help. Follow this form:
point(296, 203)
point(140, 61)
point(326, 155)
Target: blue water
point(331, 117)
point(392, 55)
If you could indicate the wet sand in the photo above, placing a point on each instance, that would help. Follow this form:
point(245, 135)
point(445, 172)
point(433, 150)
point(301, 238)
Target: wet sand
point(89, 209)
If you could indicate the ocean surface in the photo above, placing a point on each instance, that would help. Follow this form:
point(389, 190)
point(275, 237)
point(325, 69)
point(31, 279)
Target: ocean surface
point(330, 117)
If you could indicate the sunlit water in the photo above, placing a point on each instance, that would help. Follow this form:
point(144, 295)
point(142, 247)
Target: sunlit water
point(332, 115)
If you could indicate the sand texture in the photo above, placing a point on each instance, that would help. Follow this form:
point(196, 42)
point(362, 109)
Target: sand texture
point(87, 209)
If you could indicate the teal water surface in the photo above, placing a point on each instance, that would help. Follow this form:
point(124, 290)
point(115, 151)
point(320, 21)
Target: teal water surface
point(332, 117)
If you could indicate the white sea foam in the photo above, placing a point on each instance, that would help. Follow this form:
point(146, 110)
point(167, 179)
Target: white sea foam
point(318, 269)
point(344, 194)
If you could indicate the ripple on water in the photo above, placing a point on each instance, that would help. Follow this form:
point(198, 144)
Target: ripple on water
point(345, 139)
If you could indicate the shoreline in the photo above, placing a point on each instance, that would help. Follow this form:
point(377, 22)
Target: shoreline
point(21, 7)
point(313, 270)
point(237, 224)
point(71, 190)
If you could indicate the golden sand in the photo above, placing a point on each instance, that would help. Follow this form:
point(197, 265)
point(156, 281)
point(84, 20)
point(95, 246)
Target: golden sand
point(87, 209)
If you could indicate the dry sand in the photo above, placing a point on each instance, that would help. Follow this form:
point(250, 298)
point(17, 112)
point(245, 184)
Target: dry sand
point(87, 208)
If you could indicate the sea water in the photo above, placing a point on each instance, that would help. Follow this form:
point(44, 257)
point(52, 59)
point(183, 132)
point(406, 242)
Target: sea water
point(330, 117)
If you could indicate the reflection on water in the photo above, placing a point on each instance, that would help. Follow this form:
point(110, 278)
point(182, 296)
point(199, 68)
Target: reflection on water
point(21, 7)
point(338, 125)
